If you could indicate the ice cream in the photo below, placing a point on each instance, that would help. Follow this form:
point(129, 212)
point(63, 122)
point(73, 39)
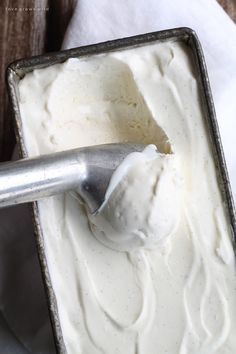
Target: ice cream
point(172, 289)
point(143, 202)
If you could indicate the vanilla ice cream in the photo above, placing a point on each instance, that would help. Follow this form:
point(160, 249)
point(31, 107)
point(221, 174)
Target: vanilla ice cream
point(154, 271)
point(143, 202)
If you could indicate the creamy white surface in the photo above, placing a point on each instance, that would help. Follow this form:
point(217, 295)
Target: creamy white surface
point(176, 298)
point(143, 203)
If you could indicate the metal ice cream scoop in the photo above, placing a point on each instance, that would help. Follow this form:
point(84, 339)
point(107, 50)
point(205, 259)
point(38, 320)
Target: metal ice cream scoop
point(86, 170)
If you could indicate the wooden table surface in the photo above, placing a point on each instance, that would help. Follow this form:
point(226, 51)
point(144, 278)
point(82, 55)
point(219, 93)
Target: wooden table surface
point(32, 27)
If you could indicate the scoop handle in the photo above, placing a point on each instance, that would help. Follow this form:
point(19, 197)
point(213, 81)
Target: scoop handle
point(28, 180)
point(87, 170)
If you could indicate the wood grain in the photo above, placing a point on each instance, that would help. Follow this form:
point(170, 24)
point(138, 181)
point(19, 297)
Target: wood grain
point(31, 27)
point(22, 33)
point(230, 7)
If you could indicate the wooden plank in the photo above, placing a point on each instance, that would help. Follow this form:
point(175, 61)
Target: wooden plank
point(27, 27)
point(230, 7)
point(22, 34)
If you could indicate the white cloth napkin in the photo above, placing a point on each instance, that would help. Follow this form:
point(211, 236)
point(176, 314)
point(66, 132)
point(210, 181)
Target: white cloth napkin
point(24, 323)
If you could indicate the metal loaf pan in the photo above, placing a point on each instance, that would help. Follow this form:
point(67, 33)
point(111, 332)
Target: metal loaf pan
point(18, 69)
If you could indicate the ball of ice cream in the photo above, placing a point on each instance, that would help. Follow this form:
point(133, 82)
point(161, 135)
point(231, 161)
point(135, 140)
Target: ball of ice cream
point(143, 202)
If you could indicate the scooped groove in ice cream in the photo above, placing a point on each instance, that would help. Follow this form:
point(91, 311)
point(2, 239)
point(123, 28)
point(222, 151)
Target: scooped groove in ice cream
point(143, 202)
